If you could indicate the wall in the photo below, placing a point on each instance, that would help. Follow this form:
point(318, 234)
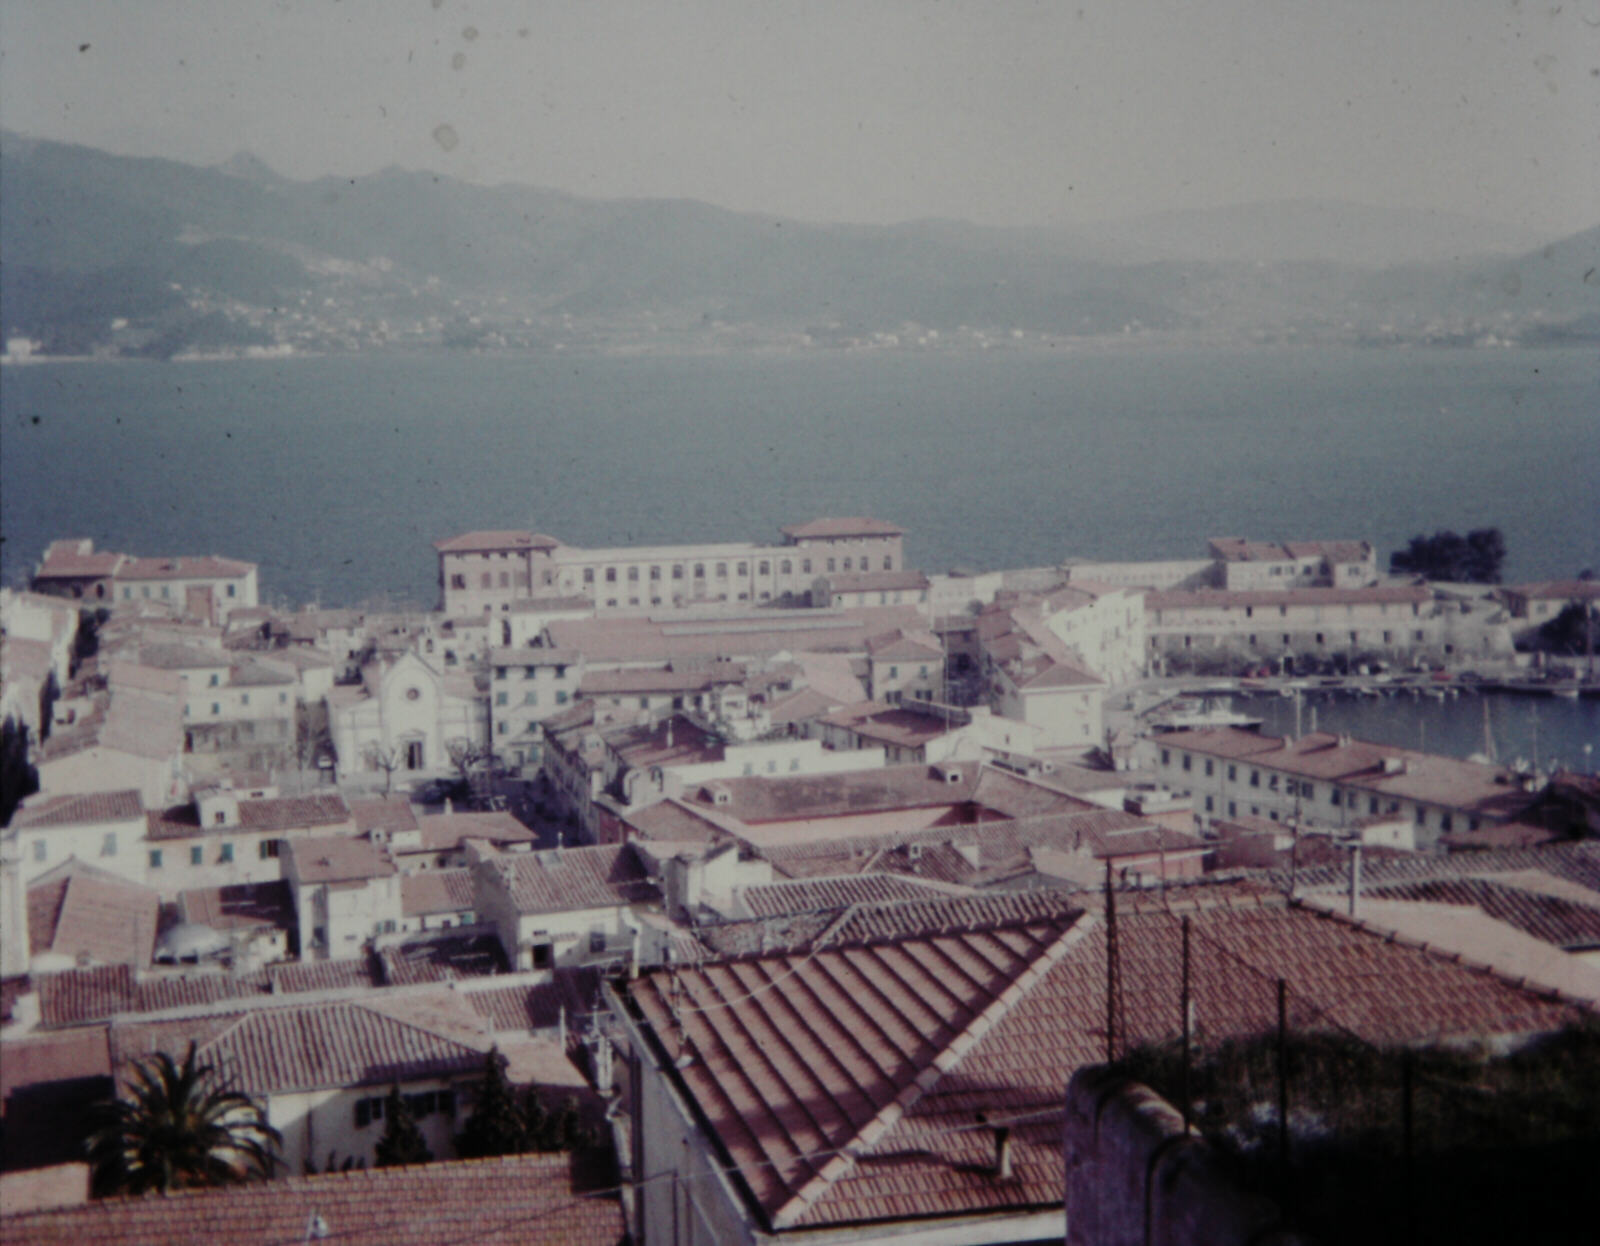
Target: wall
point(117, 847)
point(1133, 1179)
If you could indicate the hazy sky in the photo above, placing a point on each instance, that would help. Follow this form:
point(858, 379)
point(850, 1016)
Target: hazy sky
point(866, 110)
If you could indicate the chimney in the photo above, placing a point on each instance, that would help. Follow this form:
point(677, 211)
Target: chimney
point(1002, 1153)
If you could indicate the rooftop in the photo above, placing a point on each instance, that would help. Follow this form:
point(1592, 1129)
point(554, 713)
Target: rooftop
point(87, 809)
point(275, 813)
point(495, 541)
point(855, 525)
point(862, 1081)
point(560, 879)
point(537, 1200)
point(336, 859)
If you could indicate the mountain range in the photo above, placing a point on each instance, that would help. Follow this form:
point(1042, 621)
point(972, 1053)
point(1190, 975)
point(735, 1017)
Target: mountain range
point(121, 255)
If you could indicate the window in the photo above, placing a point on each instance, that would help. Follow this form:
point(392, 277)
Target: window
point(699, 571)
point(108, 846)
point(633, 574)
point(888, 562)
point(894, 672)
point(1233, 774)
point(500, 728)
point(722, 571)
point(283, 698)
point(226, 855)
point(1255, 778)
point(1208, 804)
point(458, 581)
point(1210, 767)
point(216, 707)
point(221, 818)
point(805, 566)
point(502, 698)
point(588, 575)
point(197, 855)
point(155, 858)
point(831, 566)
point(40, 852)
point(561, 696)
point(215, 678)
point(1166, 757)
point(244, 698)
point(655, 573)
point(505, 579)
point(847, 562)
point(611, 575)
point(644, 703)
point(486, 580)
point(762, 567)
point(742, 569)
point(1233, 809)
point(1187, 760)
point(267, 849)
point(530, 698)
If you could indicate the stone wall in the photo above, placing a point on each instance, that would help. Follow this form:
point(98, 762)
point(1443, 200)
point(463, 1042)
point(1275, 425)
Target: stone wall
point(1134, 1179)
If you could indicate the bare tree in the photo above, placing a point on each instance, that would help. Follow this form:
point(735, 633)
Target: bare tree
point(384, 757)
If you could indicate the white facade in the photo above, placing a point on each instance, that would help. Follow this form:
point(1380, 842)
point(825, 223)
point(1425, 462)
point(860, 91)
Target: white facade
point(408, 710)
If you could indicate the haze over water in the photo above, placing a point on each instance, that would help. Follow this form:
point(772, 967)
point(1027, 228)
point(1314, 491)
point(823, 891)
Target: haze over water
point(336, 474)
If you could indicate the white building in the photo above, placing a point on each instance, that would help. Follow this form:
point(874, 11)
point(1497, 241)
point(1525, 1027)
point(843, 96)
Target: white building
point(406, 712)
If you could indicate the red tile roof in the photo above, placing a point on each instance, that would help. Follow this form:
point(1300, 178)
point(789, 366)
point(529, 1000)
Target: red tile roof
point(1484, 790)
point(811, 895)
point(446, 832)
point(847, 1083)
point(325, 1045)
point(519, 1008)
point(855, 525)
point(494, 541)
point(201, 567)
point(529, 1200)
point(1553, 919)
point(559, 879)
point(904, 644)
point(76, 558)
point(336, 859)
point(1237, 549)
point(83, 913)
point(89, 808)
point(1216, 598)
point(436, 891)
point(392, 814)
point(669, 679)
point(239, 906)
point(757, 800)
point(277, 813)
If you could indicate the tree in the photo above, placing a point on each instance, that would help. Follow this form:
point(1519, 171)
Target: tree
point(386, 758)
point(18, 777)
point(311, 737)
point(1472, 559)
point(1573, 631)
point(497, 1125)
point(402, 1141)
point(180, 1129)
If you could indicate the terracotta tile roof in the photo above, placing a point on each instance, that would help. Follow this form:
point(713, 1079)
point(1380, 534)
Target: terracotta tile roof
point(193, 567)
point(675, 741)
point(91, 807)
point(239, 906)
point(855, 525)
point(559, 879)
point(84, 913)
point(1485, 790)
point(1216, 598)
point(670, 679)
point(816, 894)
point(873, 721)
point(624, 640)
point(1552, 919)
point(336, 859)
point(34, 1058)
point(392, 814)
point(277, 813)
point(495, 540)
point(325, 1045)
point(803, 705)
point(757, 800)
point(141, 677)
point(75, 558)
point(436, 891)
point(446, 832)
point(846, 1082)
point(522, 1199)
point(434, 958)
point(906, 645)
point(519, 1008)
point(671, 820)
point(322, 975)
point(183, 658)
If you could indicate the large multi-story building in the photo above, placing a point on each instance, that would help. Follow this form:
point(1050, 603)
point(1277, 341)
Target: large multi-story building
point(490, 571)
point(206, 587)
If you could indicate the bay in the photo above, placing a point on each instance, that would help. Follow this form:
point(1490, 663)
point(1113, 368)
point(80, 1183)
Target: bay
point(336, 474)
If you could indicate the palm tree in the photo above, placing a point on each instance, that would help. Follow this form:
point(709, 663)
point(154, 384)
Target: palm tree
point(180, 1128)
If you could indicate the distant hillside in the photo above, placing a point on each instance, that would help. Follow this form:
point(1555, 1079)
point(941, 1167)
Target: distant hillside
point(106, 253)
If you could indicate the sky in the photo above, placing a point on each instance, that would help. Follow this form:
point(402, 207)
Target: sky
point(1000, 112)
